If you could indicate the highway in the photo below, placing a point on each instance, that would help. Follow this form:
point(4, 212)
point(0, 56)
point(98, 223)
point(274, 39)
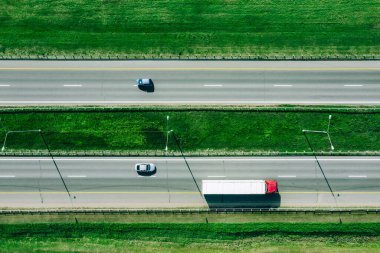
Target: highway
point(190, 82)
point(112, 182)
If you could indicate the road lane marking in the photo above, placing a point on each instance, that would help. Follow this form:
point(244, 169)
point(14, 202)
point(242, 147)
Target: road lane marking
point(193, 69)
point(340, 193)
point(224, 102)
point(146, 176)
point(216, 176)
point(290, 176)
point(5, 85)
point(77, 176)
point(213, 85)
point(283, 85)
point(105, 193)
point(357, 176)
point(166, 192)
point(7, 176)
point(353, 85)
point(370, 159)
point(72, 85)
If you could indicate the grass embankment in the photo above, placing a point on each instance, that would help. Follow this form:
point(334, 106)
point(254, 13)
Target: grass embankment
point(258, 237)
point(298, 217)
point(190, 28)
point(195, 130)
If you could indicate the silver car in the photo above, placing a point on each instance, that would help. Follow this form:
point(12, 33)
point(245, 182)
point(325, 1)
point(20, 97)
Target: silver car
point(145, 167)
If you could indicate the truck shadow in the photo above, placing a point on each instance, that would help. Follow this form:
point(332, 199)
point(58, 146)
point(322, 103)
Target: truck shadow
point(243, 201)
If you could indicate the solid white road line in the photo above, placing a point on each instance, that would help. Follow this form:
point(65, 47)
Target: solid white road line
point(283, 85)
point(357, 176)
point(292, 176)
point(216, 176)
point(213, 85)
point(353, 85)
point(370, 159)
point(7, 176)
point(193, 102)
point(5, 85)
point(77, 176)
point(72, 85)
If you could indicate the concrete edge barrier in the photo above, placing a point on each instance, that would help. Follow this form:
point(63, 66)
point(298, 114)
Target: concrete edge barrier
point(6, 109)
point(321, 211)
point(246, 57)
point(163, 154)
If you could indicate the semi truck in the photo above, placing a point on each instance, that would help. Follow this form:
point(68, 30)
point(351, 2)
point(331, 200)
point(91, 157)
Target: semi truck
point(239, 187)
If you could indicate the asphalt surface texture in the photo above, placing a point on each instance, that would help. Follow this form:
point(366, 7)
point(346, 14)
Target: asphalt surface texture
point(112, 182)
point(190, 82)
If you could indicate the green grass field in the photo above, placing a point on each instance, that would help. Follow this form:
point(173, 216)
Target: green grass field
point(248, 237)
point(190, 28)
point(240, 218)
point(195, 130)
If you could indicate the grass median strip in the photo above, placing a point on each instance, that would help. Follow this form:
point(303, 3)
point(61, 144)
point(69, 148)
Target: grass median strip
point(260, 237)
point(196, 131)
point(200, 28)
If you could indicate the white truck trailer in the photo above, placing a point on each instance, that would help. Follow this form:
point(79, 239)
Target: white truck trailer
point(238, 187)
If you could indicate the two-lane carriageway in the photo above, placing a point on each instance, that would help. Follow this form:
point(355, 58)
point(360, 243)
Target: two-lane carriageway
point(112, 182)
point(190, 82)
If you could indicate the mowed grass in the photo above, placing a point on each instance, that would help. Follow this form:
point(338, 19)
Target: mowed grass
point(240, 218)
point(223, 131)
point(203, 28)
point(249, 237)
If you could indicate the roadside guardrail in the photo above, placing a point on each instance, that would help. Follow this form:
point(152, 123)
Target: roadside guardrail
point(192, 57)
point(162, 153)
point(194, 211)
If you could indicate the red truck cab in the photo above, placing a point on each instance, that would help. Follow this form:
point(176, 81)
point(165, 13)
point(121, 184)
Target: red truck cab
point(271, 186)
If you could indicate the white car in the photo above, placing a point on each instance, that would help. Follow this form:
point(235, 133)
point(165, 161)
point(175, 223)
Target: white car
point(145, 167)
point(144, 82)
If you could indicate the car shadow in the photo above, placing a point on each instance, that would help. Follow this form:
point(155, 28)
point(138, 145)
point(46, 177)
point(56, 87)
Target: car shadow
point(147, 174)
point(243, 201)
point(148, 89)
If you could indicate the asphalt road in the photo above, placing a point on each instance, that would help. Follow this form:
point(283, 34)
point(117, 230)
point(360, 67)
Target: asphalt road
point(190, 82)
point(112, 182)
